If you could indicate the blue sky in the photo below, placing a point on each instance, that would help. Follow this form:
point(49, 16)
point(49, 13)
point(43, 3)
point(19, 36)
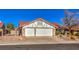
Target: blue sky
point(16, 15)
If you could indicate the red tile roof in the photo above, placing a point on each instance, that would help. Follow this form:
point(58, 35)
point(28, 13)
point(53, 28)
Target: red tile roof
point(56, 25)
point(1, 24)
point(23, 23)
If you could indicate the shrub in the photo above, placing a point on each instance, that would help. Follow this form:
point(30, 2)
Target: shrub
point(77, 34)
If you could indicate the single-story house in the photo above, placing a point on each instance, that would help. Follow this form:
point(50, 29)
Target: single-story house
point(38, 27)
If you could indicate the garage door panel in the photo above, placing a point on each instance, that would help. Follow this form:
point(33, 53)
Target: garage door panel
point(43, 32)
point(29, 32)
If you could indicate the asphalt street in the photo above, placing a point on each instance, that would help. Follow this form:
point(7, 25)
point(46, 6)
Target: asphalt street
point(41, 47)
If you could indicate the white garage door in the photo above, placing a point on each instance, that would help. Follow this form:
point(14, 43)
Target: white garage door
point(29, 32)
point(43, 32)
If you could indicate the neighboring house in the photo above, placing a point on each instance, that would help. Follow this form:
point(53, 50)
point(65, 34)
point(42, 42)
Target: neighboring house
point(1, 28)
point(38, 27)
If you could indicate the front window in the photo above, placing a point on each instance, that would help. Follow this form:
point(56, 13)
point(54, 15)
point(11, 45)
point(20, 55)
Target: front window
point(39, 23)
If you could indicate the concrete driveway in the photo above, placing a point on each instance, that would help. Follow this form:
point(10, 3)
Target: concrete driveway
point(20, 40)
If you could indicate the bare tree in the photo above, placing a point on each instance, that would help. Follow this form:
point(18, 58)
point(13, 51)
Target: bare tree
point(69, 20)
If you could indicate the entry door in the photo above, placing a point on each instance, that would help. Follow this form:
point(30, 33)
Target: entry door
point(44, 32)
point(29, 32)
